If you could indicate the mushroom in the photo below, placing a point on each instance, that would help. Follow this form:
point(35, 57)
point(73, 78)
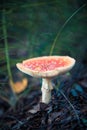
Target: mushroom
point(46, 67)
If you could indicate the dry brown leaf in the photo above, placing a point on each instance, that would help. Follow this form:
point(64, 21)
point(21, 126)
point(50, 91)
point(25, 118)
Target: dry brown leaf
point(19, 86)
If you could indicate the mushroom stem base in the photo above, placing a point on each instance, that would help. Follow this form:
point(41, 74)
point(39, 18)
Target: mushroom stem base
point(46, 90)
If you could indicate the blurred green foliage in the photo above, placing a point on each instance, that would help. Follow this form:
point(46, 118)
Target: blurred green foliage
point(32, 27)
point(29, 29)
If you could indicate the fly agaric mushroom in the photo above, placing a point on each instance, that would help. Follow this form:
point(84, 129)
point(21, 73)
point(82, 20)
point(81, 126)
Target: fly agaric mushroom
point(46, 67)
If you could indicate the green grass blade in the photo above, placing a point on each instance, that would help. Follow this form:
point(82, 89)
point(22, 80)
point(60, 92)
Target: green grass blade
point(61, 29)
point(6, 44)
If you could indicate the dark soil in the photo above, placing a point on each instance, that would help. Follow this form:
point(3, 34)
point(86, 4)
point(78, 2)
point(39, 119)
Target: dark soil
point(66, 111)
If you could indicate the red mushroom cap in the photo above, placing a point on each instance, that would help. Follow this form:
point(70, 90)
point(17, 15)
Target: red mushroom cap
point(46, 66)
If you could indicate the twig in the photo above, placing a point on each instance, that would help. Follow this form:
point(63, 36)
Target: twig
point(70, 105)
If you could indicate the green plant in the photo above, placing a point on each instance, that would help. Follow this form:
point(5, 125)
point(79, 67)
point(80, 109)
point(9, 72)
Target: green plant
point(63, 26)
point(14, 97)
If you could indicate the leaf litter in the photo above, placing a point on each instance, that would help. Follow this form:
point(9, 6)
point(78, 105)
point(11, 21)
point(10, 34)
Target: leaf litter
point(67, 109)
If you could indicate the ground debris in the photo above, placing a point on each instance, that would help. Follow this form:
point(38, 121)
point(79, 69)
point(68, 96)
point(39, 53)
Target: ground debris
point(65, 111)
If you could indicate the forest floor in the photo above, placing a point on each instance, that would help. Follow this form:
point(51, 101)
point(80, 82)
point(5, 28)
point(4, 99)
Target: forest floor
point(67, 109)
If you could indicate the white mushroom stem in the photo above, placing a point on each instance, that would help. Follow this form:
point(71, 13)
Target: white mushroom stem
point(46, 90)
